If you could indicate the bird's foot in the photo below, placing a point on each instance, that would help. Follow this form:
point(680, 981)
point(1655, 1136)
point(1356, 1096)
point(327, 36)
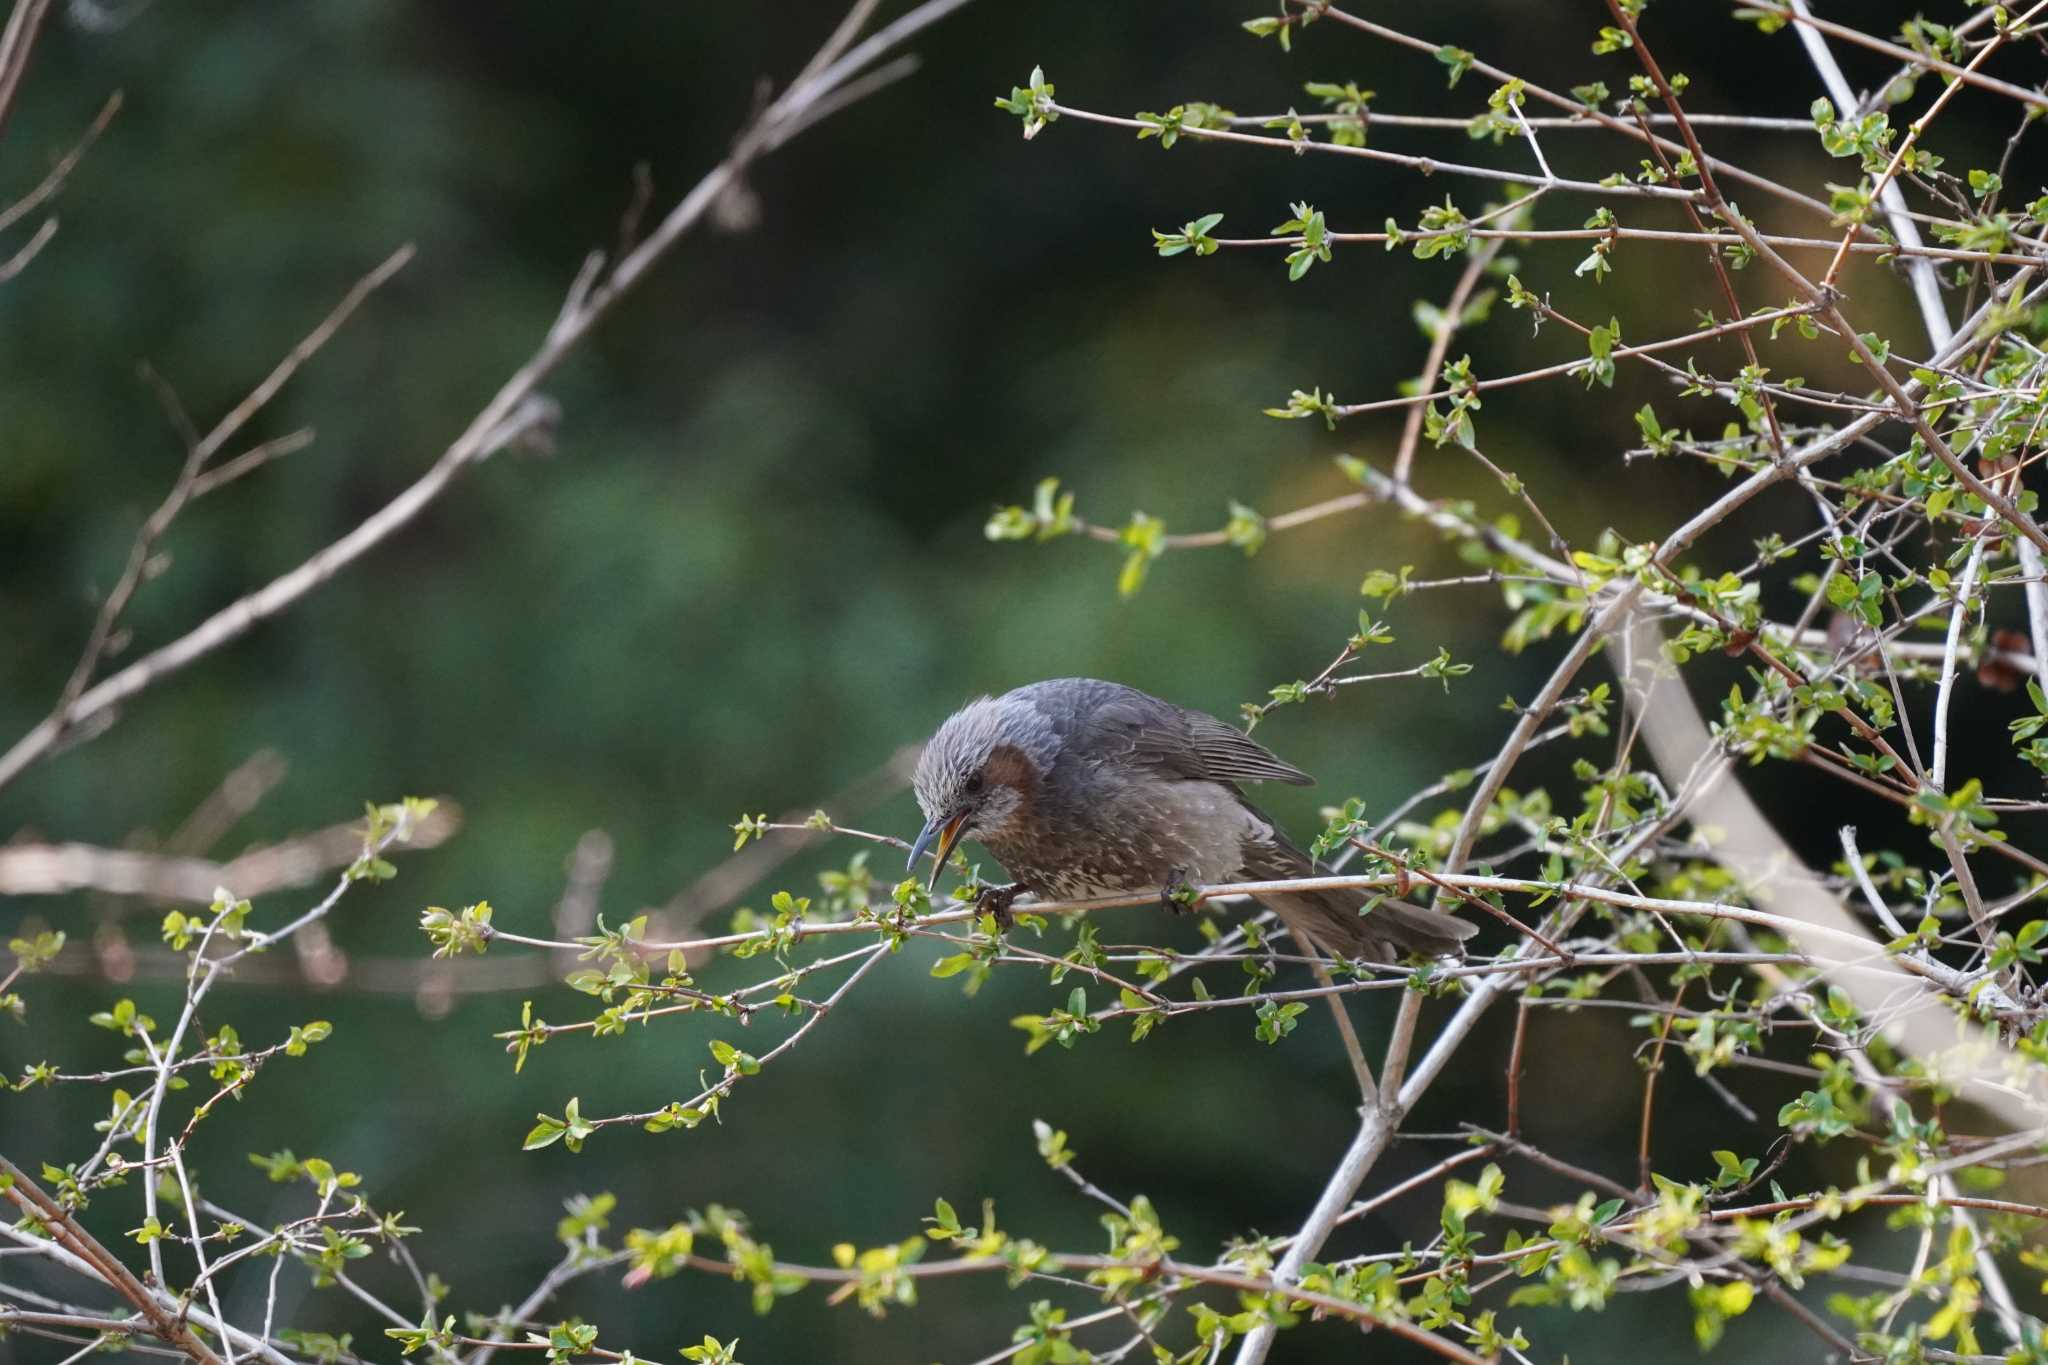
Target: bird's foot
point(1179, 895)
point(996, 901)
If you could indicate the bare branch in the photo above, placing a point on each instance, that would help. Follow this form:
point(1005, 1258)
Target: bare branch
point(62, 869)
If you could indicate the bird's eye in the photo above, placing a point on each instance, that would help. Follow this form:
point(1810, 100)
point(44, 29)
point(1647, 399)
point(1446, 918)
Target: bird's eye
point(974, 784)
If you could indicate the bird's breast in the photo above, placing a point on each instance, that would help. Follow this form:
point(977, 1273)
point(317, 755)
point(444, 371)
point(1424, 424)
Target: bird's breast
point(1131, 837)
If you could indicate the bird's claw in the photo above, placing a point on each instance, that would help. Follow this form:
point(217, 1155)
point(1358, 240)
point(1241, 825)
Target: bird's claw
point(1179, 894)
point(996, 901)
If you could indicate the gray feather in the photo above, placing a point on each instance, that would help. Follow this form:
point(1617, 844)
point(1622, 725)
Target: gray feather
point(1124, 722)
point(1229, 755)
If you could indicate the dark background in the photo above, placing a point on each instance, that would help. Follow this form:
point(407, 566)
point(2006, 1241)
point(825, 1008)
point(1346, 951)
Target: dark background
point(755, 568)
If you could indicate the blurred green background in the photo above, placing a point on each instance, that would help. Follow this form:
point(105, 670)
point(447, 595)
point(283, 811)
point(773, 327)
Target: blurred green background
point(754, 568)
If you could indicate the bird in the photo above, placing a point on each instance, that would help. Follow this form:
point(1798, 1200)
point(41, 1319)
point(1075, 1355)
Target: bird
point(1081, 788)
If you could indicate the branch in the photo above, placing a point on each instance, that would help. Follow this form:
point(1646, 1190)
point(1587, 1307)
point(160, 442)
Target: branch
point(17, 41)
point(1754, 851)
point(60, 869)
point(1917, 60)
point(514, 411)
point(59, 173)
point(39, 1207)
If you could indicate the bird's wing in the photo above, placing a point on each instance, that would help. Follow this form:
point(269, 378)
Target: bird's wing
point(1190, 744)
point(1230, 755)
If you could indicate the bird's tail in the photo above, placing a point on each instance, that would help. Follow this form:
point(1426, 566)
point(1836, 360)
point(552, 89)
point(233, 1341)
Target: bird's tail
point(1332, 922)
point(1337, 922)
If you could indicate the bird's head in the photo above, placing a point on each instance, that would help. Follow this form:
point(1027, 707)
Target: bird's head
point(980, 774)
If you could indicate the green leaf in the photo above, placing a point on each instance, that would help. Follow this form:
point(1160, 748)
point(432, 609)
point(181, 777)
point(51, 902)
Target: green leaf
point(1457, 60)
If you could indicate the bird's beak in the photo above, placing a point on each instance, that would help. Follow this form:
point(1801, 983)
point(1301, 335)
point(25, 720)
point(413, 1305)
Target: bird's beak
point(947, 834)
